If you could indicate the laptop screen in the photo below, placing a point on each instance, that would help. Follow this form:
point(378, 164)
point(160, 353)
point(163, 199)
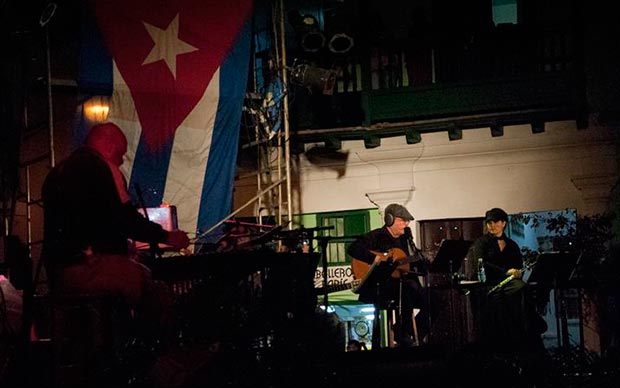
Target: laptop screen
point(165, 215)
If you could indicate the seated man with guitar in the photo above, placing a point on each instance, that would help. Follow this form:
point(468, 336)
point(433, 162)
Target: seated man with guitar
point(509, 317)
point(393, 243)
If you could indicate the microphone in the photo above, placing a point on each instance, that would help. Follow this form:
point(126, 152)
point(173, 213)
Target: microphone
point(409, 237)
point(416, 253)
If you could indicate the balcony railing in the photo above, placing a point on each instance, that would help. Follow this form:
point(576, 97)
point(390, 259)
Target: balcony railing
point(506, 74)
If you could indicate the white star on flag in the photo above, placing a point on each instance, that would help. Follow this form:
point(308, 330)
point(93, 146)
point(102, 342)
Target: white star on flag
point(167, 45)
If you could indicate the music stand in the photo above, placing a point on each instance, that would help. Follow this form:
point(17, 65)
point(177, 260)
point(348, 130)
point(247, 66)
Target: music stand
point(450, 256)
point(378, 273)
point(553, 270)
point(447, 261)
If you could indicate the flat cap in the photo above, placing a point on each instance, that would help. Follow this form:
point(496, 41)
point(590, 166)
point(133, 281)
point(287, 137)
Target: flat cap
point(399, 211)
point(496, 214)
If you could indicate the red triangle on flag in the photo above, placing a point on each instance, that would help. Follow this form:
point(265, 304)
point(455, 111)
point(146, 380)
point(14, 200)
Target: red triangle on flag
point(167, 53)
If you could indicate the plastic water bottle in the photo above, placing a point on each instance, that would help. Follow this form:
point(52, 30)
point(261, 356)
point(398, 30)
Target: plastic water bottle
point(482, 276)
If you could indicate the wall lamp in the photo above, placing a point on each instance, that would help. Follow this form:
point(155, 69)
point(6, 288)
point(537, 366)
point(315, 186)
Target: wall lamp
point(96, 109)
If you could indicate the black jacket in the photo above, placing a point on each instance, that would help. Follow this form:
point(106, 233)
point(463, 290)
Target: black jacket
point(380, 240)
point(496, 262)
point(82, 209)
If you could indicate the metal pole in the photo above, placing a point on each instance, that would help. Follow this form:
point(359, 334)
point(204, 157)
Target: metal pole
point(50, 113)
point(259, 176)
point(28, 211)
point(279, 169)
point(277, 64)
point(287, 143)
point(46, 16)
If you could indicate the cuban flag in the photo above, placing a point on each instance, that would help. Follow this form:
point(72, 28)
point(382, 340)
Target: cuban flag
point(176, 74)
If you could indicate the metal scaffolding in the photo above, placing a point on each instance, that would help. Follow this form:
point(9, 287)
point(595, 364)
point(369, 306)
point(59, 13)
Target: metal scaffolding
point(273, 164)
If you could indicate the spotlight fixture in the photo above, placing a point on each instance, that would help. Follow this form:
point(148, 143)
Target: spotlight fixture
point(312, 38)
point(339, 20)
point(340, 43)
point(314, 78)
point(307, 31)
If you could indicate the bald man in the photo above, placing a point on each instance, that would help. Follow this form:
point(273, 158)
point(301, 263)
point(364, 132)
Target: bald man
point(90, 222)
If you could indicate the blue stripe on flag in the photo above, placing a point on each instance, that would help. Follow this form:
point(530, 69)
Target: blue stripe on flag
point(95, 63)
point(216, 201)
point(149, 174)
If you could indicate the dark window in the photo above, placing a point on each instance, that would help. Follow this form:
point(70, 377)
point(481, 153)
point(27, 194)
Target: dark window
point(433, 232)
point(347, 225)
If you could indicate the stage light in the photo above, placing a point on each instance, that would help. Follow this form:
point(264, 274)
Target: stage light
point(339, 19)
point(340, 43)
point(312, 38)
point(316, 79)
point(307, 31)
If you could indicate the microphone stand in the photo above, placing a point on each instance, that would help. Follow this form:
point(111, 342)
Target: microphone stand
point(419, 257)
point(323, 240)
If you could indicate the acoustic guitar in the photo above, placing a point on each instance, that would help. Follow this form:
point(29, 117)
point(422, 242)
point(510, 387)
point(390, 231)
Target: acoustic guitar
point(360, 268)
